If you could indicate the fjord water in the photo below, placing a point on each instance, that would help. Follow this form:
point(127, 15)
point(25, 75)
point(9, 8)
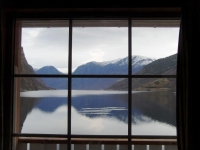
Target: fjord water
point(98, 112)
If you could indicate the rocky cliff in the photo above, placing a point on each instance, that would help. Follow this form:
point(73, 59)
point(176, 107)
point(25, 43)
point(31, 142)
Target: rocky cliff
point(29, 83)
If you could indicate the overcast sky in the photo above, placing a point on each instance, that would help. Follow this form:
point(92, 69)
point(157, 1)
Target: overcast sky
point(49, 46)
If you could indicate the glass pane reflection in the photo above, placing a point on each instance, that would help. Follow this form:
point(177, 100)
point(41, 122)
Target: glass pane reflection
point(154, 106)
point(155, 41)
point(100, 111)
point(39, 109)
point(43, 44)
point(100, 47)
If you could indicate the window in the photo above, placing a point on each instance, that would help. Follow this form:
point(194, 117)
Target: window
point(96, 84)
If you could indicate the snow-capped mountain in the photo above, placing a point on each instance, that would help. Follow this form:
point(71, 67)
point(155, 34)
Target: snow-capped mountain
point(114, 67)
point(118, 66)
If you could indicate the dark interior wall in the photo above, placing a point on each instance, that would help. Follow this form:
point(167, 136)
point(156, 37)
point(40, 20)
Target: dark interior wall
point(121, 8)
point(1, 98)
point(89, 4)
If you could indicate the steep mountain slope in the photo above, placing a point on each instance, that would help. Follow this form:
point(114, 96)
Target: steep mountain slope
point(164, 66)
point(28, 83)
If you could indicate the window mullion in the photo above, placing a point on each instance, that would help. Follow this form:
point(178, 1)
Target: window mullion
point(129, 83)
point(69, 83)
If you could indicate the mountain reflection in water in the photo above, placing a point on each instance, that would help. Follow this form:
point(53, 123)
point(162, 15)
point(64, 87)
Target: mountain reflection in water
point(98, 112)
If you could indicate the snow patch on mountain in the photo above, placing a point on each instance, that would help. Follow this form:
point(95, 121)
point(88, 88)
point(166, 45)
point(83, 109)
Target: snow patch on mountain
point(104, 63)
point(136, 60)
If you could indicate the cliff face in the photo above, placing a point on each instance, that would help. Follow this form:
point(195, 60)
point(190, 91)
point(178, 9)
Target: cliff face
point(29, 83)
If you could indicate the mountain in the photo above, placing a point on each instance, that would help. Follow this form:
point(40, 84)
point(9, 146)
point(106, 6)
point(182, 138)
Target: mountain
point(118, 66)
point(57, 83)
point(114, 67)
point(163, 66)
point(27, 84)
point(48, 70)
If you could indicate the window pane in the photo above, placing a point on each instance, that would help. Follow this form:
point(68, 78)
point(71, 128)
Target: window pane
point(100, 47)
point(100, 111)
point(56, 83)
point(157, 41)
point(44, 46)
point(154, 106)
point(93, 83)
point(38, 108)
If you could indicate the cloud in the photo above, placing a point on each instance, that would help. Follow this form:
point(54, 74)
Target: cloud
point(155, 42)
point(49, 46)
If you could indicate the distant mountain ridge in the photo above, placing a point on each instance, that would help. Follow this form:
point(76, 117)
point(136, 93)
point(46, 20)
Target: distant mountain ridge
point(140, 66)
point(118, 66)
point(114, 67)
point(48, 70)
point(57, 83)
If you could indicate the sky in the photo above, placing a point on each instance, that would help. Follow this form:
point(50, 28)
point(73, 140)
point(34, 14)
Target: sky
point(49, 46)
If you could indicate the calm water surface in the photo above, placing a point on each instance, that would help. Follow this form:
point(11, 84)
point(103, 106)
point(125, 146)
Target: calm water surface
point(98, 112)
